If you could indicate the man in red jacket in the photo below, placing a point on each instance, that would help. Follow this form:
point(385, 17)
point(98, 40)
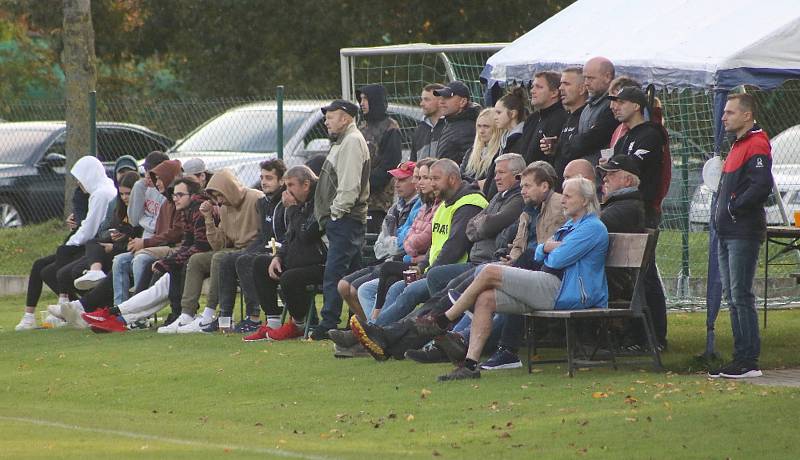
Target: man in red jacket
point(741, 225)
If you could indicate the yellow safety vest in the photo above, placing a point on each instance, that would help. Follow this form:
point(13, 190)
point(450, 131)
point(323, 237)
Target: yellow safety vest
point(441, 223)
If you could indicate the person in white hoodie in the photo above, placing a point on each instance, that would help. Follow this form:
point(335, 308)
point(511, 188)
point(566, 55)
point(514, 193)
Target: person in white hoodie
point(91, 176)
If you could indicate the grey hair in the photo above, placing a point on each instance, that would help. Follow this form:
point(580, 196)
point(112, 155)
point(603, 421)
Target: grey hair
point(302, 173)
point(515, 162)
point(448, 167)
point(587, 191)
point(635, 181)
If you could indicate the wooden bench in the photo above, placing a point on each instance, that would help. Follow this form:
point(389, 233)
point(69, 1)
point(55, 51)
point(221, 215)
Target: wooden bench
point(625, 250)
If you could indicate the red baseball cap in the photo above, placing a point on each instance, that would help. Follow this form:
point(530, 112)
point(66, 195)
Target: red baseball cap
point(404, 170)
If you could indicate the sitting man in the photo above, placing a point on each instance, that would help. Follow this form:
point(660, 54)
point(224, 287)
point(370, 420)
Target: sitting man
point(571, 276)
point(299, 261)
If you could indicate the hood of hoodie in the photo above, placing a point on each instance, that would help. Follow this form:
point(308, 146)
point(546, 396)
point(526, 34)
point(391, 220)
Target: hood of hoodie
point(376, 94)
point(91, 173)
point(125, 161)
point(167, 171)
point(226, 183)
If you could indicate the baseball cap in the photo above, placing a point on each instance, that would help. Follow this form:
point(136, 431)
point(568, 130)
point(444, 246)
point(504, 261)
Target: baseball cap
point(340, 104)
point(620, 162)
point(454, 88)
point(631, 94)
point(404, 170)
point(194, 166)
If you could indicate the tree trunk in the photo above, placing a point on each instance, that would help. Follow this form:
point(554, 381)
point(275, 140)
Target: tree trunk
point(78, 62)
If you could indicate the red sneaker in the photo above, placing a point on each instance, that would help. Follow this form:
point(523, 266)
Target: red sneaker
point(285, 332)
point(98, 315)
point(259, 335)
point(111, 324)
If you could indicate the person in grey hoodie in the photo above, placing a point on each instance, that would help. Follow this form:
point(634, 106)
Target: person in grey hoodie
point(340, 206)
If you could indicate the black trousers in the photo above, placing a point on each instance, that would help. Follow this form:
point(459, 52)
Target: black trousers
point(101, 296)
point(266, 288)
point(245, 266)
point(45, 269)
point(293, 284)
point(390, 272)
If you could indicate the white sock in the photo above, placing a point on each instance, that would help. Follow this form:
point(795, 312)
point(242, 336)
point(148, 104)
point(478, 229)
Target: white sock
point(30, 316)
point(273, 322)
point(185, 318)
point(63, 299)
point(208, 315)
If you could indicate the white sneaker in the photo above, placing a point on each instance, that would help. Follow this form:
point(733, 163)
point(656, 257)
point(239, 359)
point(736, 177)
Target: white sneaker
point(52, 322)
point(89, 280)
point(27, 323)
point(196, 326)
point(172, 328)
point(55, 309)
point(71, 312)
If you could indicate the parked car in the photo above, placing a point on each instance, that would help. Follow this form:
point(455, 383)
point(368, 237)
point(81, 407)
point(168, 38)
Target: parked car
point(675, 204)
point(785, 172)
point(244, 136)
point(32, 164)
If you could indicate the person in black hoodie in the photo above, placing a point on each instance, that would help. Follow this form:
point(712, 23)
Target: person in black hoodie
point(382, 134)
point(573, 97)
point(298, 262)
point(240, 265)
point(458, 123)
point(548, 119)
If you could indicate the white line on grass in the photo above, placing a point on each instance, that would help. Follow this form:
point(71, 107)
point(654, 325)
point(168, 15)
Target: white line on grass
point(150, 437)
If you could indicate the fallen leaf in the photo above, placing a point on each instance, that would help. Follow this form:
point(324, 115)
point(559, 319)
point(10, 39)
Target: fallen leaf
point(630, 400)
point(424, 393)
point(599, 394)
point(504, 435)
point(631, 419)
point(410, 418)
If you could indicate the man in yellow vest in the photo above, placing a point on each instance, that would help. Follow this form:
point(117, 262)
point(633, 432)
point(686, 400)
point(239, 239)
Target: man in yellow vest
point(449, 243)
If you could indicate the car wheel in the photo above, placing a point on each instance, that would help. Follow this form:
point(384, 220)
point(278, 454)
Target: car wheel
point(9, 214)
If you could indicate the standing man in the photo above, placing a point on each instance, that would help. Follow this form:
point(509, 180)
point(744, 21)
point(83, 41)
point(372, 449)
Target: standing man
point(459, 115)
point(548, 119)
point(429, 127)
point(382, 134)
point(340, 206)
point(573, 97)
point(741, 224)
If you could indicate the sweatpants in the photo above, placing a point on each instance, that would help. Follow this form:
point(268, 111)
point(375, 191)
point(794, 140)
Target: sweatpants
point(147, 302)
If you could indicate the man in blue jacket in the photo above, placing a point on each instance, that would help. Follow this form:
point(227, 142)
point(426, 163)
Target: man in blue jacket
point(741, 225)
point(570, 276)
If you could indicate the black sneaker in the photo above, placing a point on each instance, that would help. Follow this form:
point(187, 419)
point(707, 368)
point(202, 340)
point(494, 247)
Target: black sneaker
point(319, 333)
point(453, 346)
point(716, 373)
point(502, 359)
point(213, 326)
point(428, 354)
point(246, 326)
point(741, 371)
point(460, 373)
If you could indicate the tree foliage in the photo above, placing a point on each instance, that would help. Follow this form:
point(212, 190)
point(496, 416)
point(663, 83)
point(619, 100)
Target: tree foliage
point(246, 47)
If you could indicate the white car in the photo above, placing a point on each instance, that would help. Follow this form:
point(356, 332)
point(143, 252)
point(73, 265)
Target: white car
point(244, 136)
point(785, 172)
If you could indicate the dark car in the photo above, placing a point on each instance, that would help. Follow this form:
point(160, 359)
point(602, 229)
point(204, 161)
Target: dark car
point(32, 164)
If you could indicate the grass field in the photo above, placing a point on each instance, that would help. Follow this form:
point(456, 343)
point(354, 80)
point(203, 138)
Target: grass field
point(67, 393)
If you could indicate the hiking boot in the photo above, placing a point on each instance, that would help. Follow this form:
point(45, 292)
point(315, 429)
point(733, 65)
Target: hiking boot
point(428, 354)
point(502, 359)
point(741, 370)
point(89, 280)
point(427, 326)
point(460, 373)
point(354, 351)
point(288, 331)
point(344, 339)
point(259, 335)
point(453, 346)
point(246, 326)
point(27, 323)
point(371, 337)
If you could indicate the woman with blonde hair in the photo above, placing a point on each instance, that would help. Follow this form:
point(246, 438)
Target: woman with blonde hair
point(485, 147)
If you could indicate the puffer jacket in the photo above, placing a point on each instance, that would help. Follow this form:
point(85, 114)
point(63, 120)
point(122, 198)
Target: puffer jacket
point(418, 240)
point(582, 259)
point(457, 134)
point(240, 221)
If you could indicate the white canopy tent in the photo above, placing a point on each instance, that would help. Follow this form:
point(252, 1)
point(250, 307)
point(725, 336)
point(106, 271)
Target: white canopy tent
point(698, 44)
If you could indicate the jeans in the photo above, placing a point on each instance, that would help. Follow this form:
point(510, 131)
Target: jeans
point(345, 239)
point(367, 293)
point(737, 268)
point(124, 264)
point(440, 275)
point(413, 294)
point(247, 265)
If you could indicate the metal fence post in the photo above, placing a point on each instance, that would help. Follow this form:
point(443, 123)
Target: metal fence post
point(279, 103)
point(93, 123)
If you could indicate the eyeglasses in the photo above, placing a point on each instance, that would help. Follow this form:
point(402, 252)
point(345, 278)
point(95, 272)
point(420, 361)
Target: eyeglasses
point(179, 195)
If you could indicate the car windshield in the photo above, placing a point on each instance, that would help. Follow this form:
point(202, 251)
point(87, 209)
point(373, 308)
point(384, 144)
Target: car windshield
point(242, 131)
point(17, 145)
point(785, 147)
